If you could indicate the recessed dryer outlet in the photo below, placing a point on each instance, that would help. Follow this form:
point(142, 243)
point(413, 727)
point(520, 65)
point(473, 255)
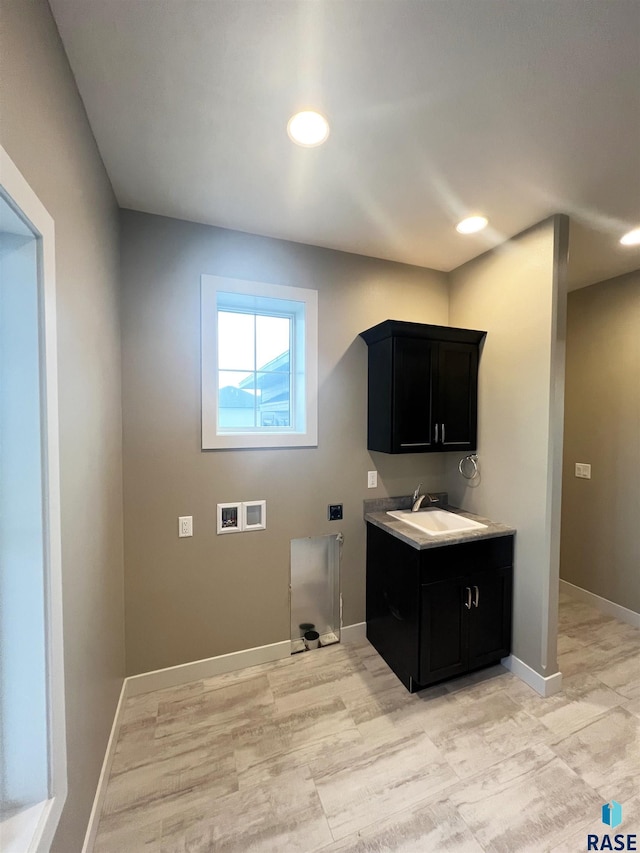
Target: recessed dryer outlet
point(335, 512)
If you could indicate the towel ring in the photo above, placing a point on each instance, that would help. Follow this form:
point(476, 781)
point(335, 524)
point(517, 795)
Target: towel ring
point(473, 459)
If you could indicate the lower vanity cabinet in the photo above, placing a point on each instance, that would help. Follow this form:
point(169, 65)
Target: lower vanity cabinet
point(440, 612)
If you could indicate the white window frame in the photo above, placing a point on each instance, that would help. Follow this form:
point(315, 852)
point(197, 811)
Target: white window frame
point(40, 822)
point(304, 406)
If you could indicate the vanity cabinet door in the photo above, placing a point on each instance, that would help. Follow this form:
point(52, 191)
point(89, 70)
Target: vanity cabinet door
point(443, 640)
point(465, 623)
point(490, 616)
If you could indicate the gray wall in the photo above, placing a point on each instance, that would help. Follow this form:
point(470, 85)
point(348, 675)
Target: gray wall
point(188, 599)
point(44, 129)
point(600, 544)
point(514, 293)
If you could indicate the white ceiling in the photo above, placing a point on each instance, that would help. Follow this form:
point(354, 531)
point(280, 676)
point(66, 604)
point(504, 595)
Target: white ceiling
point(438, 108)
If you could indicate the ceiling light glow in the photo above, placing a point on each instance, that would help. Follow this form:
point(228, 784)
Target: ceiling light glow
point(471, 224)
point(631, 238)
point(308, 129)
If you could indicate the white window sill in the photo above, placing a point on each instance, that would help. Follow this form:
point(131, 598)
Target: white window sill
point(21, 831)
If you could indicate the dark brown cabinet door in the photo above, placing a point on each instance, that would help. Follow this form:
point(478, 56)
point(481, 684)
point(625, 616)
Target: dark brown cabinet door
point(490, 616)
point(443, 641)
point(412, 397)
point(456, 395)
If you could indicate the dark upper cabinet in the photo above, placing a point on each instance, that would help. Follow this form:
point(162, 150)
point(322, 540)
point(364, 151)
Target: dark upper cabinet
point(422, 387)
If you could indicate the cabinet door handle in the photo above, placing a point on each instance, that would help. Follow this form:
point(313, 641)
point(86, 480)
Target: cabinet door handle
point(443, 433)
point(467, 603)
point(476, 597)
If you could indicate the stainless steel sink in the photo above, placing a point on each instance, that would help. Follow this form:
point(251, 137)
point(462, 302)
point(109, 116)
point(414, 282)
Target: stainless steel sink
point(436, 522)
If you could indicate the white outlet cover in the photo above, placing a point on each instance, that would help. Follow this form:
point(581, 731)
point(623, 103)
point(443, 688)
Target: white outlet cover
point(185, 526)
point(372, 479)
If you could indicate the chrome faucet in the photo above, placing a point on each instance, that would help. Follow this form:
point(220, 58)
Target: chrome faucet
point(418, 499)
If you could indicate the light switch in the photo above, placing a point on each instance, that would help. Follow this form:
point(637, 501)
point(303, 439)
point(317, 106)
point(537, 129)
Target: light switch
point(372, 479)
point(583, 470)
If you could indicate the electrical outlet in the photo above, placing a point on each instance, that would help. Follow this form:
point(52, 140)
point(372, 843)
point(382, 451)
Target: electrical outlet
point(372, 479)
point(185, 526)
point(335, 512)
point(583, 470)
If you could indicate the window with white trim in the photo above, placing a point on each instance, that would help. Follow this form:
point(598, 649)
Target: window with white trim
point(259, 364)
point(33, 764)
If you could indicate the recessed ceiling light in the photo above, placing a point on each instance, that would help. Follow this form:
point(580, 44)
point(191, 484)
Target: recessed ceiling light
point(308, 129)
point(631, 238)
point(471, 224)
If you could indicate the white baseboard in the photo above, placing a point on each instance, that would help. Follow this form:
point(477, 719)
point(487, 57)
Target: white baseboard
point(546, 686)
point(609, 608)
point(101, 790)
point(173, 676)
point(353, 633)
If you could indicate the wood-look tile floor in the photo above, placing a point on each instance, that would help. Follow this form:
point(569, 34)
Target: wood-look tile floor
point(326, 751)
